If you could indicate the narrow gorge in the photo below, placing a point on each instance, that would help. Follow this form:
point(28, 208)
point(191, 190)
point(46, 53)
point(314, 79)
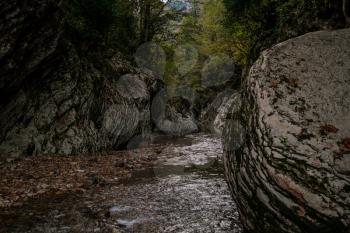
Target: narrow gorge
point(175, 116)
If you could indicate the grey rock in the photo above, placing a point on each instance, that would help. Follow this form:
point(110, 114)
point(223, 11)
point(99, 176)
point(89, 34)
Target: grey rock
point(290, 174)
point(213, 117)
point(84, 122)
point(131, 86)
point(169, 118)
point(22, 52)
point(55, 101)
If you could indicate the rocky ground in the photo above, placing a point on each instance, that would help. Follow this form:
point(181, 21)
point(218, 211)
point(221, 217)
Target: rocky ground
point(40, 176)
point(32, 188)
point(174, 185)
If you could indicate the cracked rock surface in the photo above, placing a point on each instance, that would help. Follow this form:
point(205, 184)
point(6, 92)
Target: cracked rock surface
point(54, 100)
point(287, 150)
point(213, 117)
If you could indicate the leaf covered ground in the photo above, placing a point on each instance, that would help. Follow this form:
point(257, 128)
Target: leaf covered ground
point(34, 177)
point(34, 186)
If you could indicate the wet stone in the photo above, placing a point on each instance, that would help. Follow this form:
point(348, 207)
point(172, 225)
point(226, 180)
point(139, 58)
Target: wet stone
point(184, 192)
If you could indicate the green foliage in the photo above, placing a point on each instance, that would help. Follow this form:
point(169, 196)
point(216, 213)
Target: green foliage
point(213, 36)
point(258, 24)
point(241, 29)
point(205, 31)
point(102, 22)
point(120, 24)
point(154, 18)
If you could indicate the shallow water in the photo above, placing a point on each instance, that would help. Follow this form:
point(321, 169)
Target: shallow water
point(184, 191)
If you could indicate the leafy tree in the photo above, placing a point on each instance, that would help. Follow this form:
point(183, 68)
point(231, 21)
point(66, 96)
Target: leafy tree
point(120, 24)
point(261, 23)
point(102, 22)
point(213, 37)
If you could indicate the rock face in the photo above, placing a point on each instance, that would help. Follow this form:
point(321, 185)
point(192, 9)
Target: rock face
point(287, 142)
point(21, 47)
point(213, 117)
point(55, 101)
point(172, 113)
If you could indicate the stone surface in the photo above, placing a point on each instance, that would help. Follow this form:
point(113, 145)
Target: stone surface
point(286, 141)
point(172, 113)
point(21, 49)
point(213, 117)
point(55, 101)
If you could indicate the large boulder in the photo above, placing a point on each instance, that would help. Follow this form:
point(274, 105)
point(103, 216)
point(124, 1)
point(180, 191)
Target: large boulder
point(56, 101)
point(213, 117)
point(76, 110)
point(287, 140)
point(172, 111)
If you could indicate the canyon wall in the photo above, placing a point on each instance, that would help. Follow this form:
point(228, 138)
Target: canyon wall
point(58, 100)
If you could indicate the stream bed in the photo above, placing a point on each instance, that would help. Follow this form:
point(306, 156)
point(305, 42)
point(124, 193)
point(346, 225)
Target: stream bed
point(183, 191)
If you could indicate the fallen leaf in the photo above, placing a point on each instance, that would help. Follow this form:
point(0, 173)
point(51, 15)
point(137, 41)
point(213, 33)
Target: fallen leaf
point(294, 82)
point(304, 135)
point(326, 129)
point(274, 83)
point(346, 143)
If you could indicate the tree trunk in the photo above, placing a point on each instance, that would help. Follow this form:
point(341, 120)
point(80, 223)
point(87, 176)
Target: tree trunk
point(346, 10)
point(145, 21)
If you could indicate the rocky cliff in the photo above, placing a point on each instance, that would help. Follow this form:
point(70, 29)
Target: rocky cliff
point(56, 100)
point(287, 139)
